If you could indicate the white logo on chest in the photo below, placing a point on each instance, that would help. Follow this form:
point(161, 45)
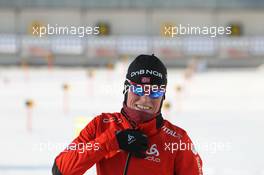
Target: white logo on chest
point(153, 153)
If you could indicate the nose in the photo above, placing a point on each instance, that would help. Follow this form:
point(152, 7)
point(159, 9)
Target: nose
point(145, 98)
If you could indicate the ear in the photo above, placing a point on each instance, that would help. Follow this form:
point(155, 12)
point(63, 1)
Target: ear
point(161, 103)
point(125, 98)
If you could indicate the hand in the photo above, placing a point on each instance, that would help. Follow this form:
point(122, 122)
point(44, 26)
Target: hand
point(132, 141)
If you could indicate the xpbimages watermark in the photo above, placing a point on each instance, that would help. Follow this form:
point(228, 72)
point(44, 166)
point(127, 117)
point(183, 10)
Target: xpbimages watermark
point(78, 147)
point(80, 31)
point(211, 31)
point(212, 147)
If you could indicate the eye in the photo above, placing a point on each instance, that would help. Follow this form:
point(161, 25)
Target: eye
point(156, 94)
point(137, 90)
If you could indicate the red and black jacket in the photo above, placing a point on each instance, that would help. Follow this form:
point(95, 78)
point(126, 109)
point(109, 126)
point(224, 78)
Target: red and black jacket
point(97, 144)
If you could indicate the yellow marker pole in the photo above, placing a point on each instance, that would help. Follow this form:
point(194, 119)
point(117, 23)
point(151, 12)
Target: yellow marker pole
point(25, 68)
point(125, 61)
point(178, 96)
point(79, 124)
point(90, 78)
point(29, 106)
point(65, 88)
point(166, 108)
point(110, 68)
point(50, 59)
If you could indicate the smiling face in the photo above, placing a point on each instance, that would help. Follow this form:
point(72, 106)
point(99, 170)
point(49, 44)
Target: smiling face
point(143, 103)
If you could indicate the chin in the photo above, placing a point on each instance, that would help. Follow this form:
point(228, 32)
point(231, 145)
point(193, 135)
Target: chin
point(147, 111)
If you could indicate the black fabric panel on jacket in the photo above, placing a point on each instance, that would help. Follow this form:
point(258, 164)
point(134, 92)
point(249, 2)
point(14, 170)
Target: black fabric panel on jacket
point(55, 170)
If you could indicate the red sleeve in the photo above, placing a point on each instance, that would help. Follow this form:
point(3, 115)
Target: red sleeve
point(86, 149)
point(188, 161)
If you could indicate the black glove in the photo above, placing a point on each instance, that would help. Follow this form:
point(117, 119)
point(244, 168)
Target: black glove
point(132, 141)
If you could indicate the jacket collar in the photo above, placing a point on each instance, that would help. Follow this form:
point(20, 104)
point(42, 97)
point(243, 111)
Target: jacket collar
point(151, 127)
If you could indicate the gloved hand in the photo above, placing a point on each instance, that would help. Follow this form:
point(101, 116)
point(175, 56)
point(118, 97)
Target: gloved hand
point(132, 141)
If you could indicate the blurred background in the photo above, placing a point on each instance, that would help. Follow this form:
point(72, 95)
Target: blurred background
point(53, 85)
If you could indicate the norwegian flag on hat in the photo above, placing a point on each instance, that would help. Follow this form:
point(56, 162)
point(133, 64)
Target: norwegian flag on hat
point(145, 79)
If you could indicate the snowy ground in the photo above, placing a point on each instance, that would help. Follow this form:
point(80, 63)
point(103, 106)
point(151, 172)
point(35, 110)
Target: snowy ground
point(222, 111)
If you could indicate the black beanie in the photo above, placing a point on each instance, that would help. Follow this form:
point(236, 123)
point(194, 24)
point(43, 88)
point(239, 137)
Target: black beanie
point(147, 69)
